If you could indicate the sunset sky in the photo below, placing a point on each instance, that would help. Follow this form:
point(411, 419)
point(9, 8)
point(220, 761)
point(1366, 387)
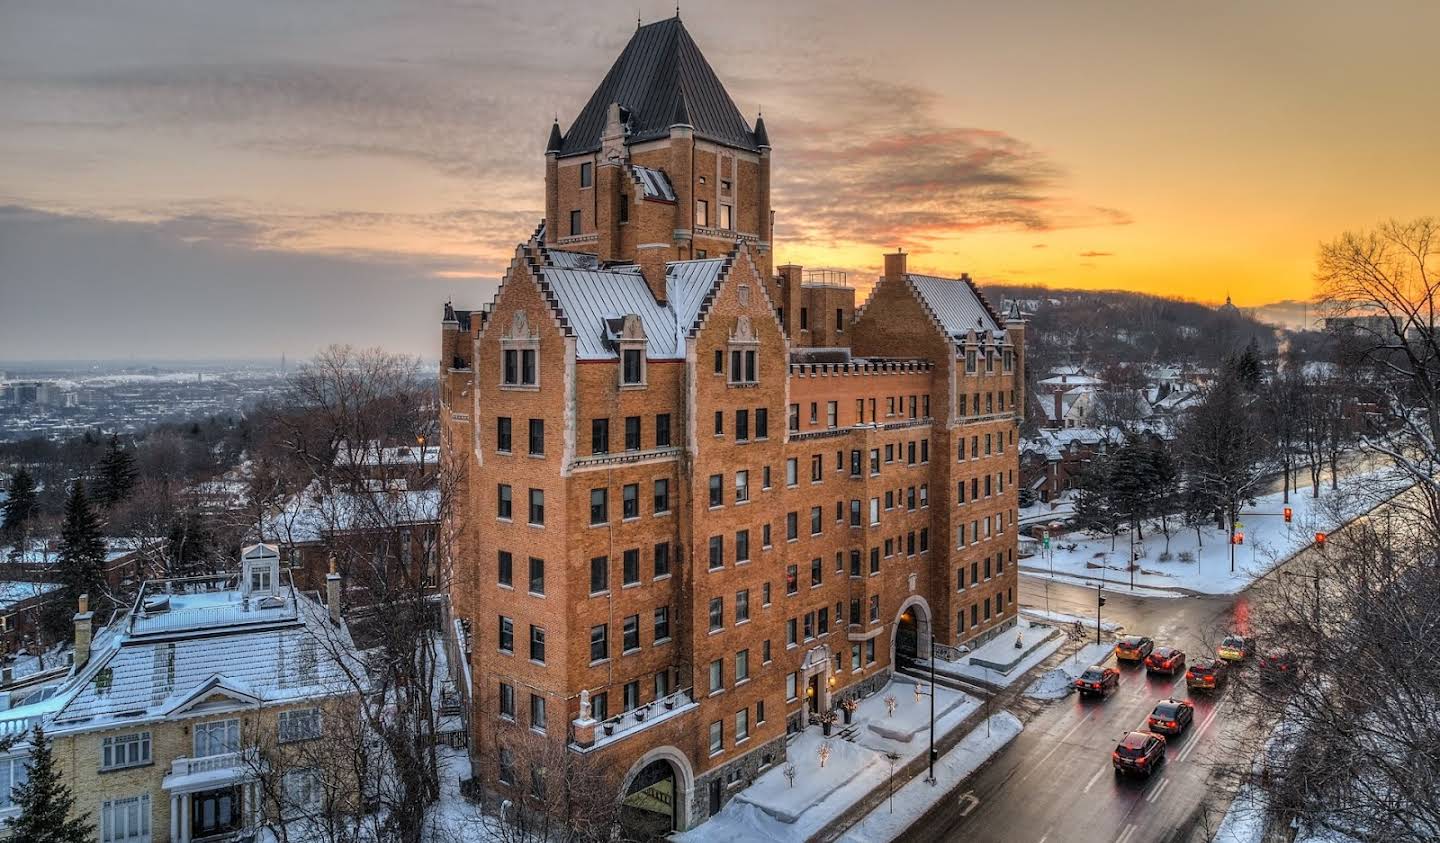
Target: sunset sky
point(182, 179)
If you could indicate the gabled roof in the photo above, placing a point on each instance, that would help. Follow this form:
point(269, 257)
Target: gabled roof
point(956, 305)
point(659, 78)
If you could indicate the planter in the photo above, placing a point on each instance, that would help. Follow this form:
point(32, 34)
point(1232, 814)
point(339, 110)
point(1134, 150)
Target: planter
point(848, 714)
point(826, 727)
point(669, 703)
point(609, 728)
point(639, 714)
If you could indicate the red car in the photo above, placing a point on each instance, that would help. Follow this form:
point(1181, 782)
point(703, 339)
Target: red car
point(1277, 666)
point(1167, 660)
point(1171, 717)
point(1133, 648)
point(1139, 752)
point(1098, 680)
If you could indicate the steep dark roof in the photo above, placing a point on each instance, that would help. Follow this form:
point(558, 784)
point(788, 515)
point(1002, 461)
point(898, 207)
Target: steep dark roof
point(661, 73)
point(555, 141)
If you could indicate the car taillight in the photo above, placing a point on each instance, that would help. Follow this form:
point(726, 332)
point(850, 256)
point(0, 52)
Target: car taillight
point(1189, 674)
point(1169, 724)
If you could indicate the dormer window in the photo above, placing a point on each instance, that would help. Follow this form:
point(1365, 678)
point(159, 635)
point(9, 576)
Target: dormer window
point(630, 340)
point(970, 362)
point(744, 350)
point(519, 355)
point(260, 571)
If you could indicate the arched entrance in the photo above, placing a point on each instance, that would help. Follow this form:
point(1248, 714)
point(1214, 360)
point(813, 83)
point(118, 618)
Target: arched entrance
point(911, 638)
point(657, 795)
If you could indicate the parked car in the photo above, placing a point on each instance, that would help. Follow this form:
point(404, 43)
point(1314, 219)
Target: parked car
point(1139, 752)
point(1207, 674)
point(1167, 660)
point(1277, 666)
point(1133, 648)
point(1172, 716)
point(1099, 680)
point(1234, 648)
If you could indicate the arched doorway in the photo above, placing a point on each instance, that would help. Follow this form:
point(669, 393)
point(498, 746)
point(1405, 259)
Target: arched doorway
point(648, 811)
point(657, 793)
point(912, 632)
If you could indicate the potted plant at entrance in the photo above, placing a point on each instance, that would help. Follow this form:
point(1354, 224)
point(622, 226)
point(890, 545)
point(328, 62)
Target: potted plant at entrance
point(849, 706)
point(827, 719)
point(609, 727)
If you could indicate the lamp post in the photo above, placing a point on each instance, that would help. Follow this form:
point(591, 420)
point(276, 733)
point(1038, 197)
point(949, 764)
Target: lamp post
point(931, 778)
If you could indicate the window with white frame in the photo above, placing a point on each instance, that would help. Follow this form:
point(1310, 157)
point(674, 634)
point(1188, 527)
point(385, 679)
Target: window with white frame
point(302, 790)
point(519, 353)
point(125, 820)
point(744, 352)
point(121, 751)
point(216, 738)
point(301, 724)
point(13, 773)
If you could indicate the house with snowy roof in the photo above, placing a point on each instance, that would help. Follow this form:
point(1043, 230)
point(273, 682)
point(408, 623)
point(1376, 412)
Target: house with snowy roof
point(173, 709)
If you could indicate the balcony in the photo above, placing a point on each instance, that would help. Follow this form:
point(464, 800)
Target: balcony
point(623, 458)
point(190, 774)
point(639, 719)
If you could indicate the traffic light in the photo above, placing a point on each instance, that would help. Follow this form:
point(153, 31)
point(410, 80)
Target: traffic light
point(1102, 600)
point(1320, 540)
point(1237, 538)
point(1289, 513)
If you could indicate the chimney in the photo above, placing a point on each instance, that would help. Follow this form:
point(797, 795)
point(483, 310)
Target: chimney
point(82, 632)
point(651, 259)
point(895, 265)
point(332, 593)
point(790, 280)
point(1059, 419)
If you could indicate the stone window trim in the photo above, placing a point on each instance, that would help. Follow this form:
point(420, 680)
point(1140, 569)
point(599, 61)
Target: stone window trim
point(743, 354)
point(632, 339)
point(520, 337)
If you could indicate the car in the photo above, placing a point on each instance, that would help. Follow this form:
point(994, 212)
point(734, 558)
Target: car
point(1277, 666)
point(1167, 660)
point(1138, 752)
point(1133, 648)
point(1098, 679)
point(1207, 674)
point(1234, 648)
point(1172, 716)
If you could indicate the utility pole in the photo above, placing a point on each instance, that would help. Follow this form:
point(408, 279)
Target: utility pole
point(931, 778)
point(1099, 601)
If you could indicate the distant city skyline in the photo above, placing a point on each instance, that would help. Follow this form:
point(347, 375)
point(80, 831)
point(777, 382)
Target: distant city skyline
point(229, 181)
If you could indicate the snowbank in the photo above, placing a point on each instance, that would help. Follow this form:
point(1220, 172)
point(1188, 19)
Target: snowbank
point(1000, 650)
point(1060, 681)
point(1245, 820)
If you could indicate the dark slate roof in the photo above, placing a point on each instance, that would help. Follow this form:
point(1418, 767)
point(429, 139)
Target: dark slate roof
point(661, 73)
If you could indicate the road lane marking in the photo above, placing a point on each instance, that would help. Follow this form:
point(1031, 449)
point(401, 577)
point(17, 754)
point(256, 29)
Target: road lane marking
point(1198, 733)
point(970, 800)
point(1056, 748)
point(1155, 794)
point(1127, 833)
point(1093, 779)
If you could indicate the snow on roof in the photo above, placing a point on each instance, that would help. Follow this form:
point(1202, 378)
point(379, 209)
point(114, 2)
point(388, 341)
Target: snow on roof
point(955, 304)
point(14, 593)
point(313, 513)
point(1071, 380)
point(589, 297)
point(572, 260)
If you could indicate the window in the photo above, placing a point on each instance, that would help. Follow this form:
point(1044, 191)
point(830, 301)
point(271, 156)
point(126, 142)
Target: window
point(575, 222)
point(587, 174)
point(631, 693)
point(599, 436)
point(717, 613)
point(809, 625)
point(507, 766)
point(120, 751)
point(832, 414)
point(507, 635)
point(814, 412)
point(792, 579)
point(702, 212)
point(874, 608)
point(742, 546)
point(600, 706)
point(537, 575)
point(855, 512)
point(839, 320)
point(719, 361)
point(765, 594)
point(599, 574)
point(792, 635)
point(874, 560)
point(742, 606)
point(537, 507)
point(717, 552)
point(792, 471)
point(816, 520)
point(765, 534)
point(874, 511)
point(599, 506)
point(632, 433)
point(301, 724)
point(662, 624)
point(537, 643)
point(662, 496)
point(630, 501)
point(662, 559)
point(662, 430)
point(717, 737)
point(794, 418)
point(792, 686)
point(742, 486)
point(762, 424)
point(518, 367)
point(792, 526)
point(504, 506)
point(630, 634)
point(727, 220)
point(599, 643)
point(217, 737)
point(717, 675)
point(124, 820)
point(505, 568)
point(742, 425)
point(817, 572)
point(624, 207)
point(804, 318)
point(662, 684)
point(719, 422)
point(537, 712)
point(717, 490)
point(502, 434)
point(742, 725)
point(507, 700)
point(854, 563)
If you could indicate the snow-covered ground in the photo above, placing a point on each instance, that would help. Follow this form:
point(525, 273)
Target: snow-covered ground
point(1064, 620)
point(1245, 820)
point(1000, 650)
point(1203, 565)
point(892, 818)
point(1059, 681)
point(772, 809)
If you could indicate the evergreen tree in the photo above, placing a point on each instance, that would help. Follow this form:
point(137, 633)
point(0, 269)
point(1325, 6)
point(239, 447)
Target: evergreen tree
point(117, 475)
point(1131, 487)
point(1092, 498)
point(82, 550)
point(1248, 367)
point(45, 802)
point(21, 505)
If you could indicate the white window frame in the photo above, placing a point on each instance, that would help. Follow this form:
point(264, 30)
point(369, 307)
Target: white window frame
point(230, 736)
point(14, 771)
point(136, 744)
point(300, 724)
point(125, 820)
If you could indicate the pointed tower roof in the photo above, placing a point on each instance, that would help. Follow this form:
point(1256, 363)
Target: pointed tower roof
point(660, 74)
point(556, 140)
point(762, 139)
point(682, 114)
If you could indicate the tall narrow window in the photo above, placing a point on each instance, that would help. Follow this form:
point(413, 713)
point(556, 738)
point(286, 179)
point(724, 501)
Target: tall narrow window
point(702, 212)
point(575, 222)
point(727, 220)
point(587, 174)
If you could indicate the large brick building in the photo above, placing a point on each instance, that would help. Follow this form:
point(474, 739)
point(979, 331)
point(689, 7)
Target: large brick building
point(702, 501)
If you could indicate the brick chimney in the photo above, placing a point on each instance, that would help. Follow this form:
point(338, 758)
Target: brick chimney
point(651, 258)
point(82, 632)
point(895, 265)
point(332, 593)
point(790, 280)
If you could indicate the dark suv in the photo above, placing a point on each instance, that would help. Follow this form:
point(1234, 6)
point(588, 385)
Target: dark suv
point(1207, 674)
point(1171, 717)
point(1098, 680)
point(1138, 752)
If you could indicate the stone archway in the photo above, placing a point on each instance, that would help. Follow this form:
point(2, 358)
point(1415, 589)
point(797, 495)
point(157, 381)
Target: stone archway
point(910, 635)
point(656, 794)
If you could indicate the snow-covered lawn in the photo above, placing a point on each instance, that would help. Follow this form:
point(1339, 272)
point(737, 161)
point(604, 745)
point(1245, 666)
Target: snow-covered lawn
point(892, 818)
point(1204, 565)
point(1060, 680)
point(1000, 650)
point(1245, 820)
point(772, 809)
point(1064, 620)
